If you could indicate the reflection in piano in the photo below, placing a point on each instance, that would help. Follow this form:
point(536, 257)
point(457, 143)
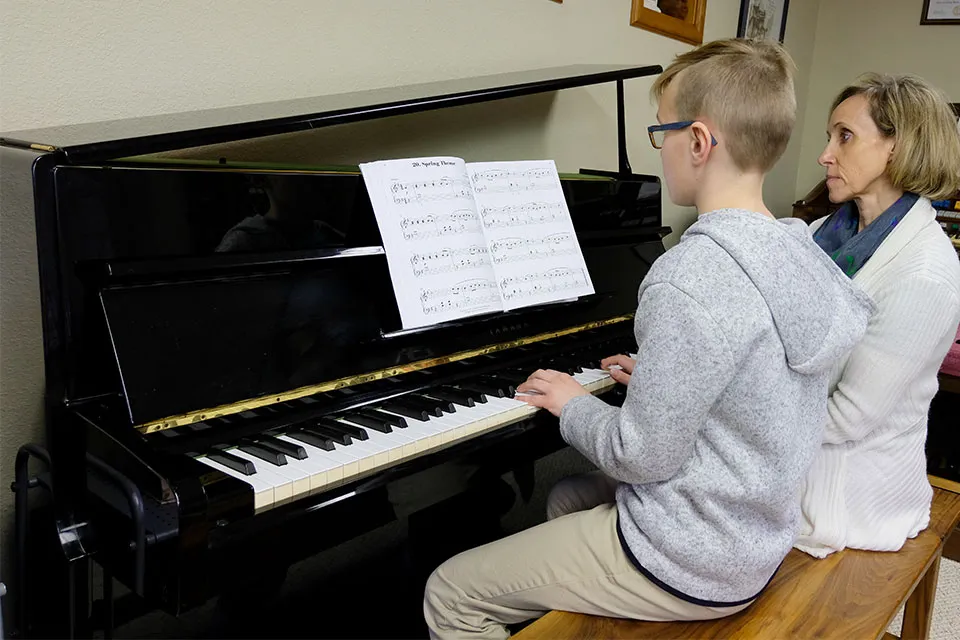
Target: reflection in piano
point(223, 347)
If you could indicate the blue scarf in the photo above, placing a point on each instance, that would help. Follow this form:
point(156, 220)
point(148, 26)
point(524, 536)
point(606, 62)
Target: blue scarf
point(850, 250)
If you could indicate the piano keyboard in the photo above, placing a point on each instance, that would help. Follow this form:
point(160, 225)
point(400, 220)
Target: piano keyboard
point(343, 448)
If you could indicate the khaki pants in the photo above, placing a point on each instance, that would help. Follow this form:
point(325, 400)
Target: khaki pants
point(573, 562)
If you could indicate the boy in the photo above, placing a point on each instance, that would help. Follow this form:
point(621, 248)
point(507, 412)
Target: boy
point(695, 503)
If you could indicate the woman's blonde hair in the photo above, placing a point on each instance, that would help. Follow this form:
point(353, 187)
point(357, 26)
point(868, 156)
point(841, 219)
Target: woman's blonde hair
point(746, 88)
point(926, 152)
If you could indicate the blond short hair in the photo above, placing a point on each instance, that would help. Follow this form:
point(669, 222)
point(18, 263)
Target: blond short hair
point(926, 152)
point(746, 88)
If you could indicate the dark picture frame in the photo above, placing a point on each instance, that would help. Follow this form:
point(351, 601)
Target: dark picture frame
point(751, 24)
point(925, 14)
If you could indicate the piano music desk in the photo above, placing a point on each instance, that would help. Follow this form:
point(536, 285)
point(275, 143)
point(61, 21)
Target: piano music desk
point(847, 595)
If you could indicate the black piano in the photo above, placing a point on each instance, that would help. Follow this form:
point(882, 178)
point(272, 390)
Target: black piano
point(226, 372)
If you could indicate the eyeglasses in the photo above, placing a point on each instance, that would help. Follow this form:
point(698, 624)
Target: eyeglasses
point(658, 132)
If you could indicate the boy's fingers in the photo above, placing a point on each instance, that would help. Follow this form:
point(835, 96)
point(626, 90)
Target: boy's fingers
point(620, 376)
point(534, 384)
point(544, 374)
point(624, 362)
point(536, 399)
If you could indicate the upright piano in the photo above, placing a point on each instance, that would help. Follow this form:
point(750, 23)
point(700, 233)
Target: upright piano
point(226, 371)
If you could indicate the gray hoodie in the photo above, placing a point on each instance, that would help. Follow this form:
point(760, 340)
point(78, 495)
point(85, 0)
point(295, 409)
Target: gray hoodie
point(737, 329)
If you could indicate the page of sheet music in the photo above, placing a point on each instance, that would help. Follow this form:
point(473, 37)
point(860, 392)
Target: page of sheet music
point(438, 258)
point(533, 245)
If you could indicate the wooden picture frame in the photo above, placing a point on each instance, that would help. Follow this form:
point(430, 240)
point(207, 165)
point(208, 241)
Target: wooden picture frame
point(662, 16)
point(758, 19)
point(940, 12)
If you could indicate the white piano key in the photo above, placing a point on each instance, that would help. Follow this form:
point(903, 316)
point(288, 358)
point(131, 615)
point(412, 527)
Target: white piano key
point(282, 485)
point(298, 479)
point(262, 491)
point(320, 469)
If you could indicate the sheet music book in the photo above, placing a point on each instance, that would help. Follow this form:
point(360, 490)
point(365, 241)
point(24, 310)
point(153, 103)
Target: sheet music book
point(464, 239)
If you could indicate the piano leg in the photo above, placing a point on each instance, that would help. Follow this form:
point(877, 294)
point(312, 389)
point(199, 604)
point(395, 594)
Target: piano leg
point(108, 611)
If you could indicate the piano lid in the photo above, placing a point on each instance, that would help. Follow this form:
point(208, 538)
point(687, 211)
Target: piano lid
point(152, 134)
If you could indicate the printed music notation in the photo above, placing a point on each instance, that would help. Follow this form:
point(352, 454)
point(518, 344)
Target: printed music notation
point(516, 249)
point(464, 239)
point(447, 260)
point(558, 280)
point(435, 226)
point(504, 180)
point(516, 215)
point(420, 191)
point(463, 296)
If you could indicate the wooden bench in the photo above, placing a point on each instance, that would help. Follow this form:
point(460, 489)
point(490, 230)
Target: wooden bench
point(851, 594)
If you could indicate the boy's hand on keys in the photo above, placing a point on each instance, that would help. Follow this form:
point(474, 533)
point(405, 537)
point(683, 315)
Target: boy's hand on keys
point(550, 390)
point(619, 366)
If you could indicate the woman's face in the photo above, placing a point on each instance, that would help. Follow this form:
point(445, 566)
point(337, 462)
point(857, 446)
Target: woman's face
point(857, 154)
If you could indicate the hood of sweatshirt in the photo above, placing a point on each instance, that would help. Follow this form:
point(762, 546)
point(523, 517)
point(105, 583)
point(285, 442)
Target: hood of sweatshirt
point(819, 313)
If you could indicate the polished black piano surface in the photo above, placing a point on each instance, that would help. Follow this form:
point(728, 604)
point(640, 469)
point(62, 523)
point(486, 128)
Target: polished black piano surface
point(226, 370)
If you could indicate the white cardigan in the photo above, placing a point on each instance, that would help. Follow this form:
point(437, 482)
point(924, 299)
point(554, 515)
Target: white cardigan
point(868, 488)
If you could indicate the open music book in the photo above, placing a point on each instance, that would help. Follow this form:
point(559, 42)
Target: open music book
point(464, 239)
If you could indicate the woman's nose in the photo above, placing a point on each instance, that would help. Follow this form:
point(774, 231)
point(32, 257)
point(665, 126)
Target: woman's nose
point(826, 157)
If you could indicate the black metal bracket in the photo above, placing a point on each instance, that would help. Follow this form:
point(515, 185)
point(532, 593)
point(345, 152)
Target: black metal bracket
point(135, 502)
point(21, 486)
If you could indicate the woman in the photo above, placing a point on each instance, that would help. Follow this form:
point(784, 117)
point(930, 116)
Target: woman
point(892, 147)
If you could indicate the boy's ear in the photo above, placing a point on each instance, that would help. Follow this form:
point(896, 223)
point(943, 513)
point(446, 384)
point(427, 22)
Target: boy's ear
point(700, 142)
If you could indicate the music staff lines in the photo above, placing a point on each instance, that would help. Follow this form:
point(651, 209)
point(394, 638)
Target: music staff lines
point(515, 215)
point(448, 260)
point(465, 295)
point(430, 191)
point(517, 249)
point(538, 284)
point(445, 224)
point(502, 180)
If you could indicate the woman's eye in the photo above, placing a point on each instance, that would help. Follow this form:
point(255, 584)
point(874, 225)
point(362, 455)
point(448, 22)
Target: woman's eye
point(845, 136)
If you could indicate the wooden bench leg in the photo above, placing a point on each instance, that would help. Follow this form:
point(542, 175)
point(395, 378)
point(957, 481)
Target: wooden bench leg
point(918, 613)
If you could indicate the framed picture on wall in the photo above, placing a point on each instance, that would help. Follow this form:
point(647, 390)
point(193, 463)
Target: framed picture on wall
point(763, 19)
point(940, 12)
point(678, 19)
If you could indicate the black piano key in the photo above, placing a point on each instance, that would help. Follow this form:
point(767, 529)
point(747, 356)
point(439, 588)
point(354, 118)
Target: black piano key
point(334, 436)
point(476, 396)
point(312, 439)
point(508, 388)
point(432, 404)
point(406, 410)
point(557, 365)
point(353, 430)
point(387, 418)
point(457, 396)
point(571, 364)
point(264, 452)
point(372, 423)
point(236, 463)
point(287, 448)
point(328, 426)
point(485, 388)
point(512, 376)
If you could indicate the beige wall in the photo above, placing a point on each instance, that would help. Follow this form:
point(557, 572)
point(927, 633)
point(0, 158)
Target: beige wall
point(856, 36)
point(69, 61)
